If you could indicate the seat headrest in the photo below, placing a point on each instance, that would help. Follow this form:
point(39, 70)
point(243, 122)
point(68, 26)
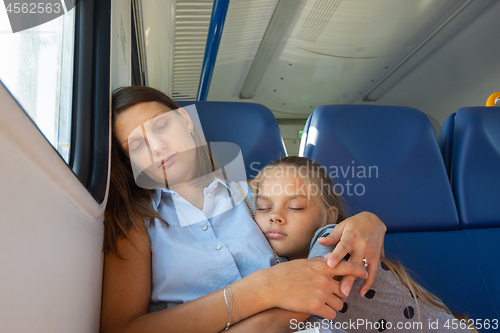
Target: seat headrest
point(476, 166)
point(251, 126)
point(386, 160)
point(446, 141)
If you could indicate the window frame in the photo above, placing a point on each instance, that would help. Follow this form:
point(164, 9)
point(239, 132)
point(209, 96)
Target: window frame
point(139, 62)
point(90, 129)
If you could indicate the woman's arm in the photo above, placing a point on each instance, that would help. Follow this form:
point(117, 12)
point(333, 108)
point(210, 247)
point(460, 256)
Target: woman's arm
point(278, 320)
point(301, 286)
point(272, 320)
point(362, 236)
point(127, 292)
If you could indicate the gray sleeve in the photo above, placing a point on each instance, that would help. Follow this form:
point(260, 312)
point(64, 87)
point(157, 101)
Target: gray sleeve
point(316, 249)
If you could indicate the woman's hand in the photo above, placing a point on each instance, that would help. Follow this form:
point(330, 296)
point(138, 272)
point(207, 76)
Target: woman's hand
point(292, 286)
point(362, 236)
point(307, 285)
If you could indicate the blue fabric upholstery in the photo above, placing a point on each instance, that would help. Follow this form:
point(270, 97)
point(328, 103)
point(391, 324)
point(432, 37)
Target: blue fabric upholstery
point(475, 180)
point(412, 193)
point(408, 187)
point(486, 248)
point(445, 264)
point(476, 166)
point(251, 126)
point(446, 141)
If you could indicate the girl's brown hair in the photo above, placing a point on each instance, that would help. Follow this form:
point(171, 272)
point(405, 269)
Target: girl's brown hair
point(314, 174)
point(129, 203)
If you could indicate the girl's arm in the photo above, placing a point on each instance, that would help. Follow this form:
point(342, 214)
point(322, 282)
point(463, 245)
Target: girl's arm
point(301, 286)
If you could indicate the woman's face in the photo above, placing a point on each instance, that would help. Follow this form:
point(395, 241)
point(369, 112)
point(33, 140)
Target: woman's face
point(157, 141)
point(287, 214)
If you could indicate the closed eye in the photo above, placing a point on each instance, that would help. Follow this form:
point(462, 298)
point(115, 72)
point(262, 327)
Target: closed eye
point(162, 126)
point(135, 145)
point(292, 208)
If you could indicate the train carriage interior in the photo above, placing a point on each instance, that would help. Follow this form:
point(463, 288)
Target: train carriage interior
point(397, 99)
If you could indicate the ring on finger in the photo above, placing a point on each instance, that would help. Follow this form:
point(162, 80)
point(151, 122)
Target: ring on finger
point(364, 262)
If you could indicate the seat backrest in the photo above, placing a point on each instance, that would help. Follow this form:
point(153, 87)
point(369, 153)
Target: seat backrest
point(432, 259)
point(251, 126)
point(476, 166)
point(386, 160)
point(446, 141)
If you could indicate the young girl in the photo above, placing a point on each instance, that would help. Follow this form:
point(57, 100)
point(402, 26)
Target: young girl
point(206, 274)
point(295, 204)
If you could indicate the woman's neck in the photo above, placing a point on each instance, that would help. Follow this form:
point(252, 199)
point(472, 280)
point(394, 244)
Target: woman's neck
point(192, 191)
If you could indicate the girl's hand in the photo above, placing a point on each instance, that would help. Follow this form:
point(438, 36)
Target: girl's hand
point(307, 285)
point(362, 236)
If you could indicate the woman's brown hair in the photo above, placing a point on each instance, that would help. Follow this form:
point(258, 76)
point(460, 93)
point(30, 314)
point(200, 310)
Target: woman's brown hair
point(129, 203)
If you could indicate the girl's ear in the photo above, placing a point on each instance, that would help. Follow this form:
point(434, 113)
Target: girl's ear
point(185, 116)
point(332, 213)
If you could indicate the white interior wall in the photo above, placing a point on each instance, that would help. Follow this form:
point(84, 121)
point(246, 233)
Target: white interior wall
point(290, 130)
point(51, 235)
point(463, 72)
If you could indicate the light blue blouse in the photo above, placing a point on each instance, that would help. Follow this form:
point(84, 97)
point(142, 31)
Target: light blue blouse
point(208, 249)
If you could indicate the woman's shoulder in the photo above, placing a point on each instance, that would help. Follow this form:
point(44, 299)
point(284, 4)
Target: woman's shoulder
point(136, 241)
point(241, 187)
point(241, 190)
point(244, 184)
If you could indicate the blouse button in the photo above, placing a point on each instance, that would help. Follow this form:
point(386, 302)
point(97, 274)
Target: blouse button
point(205, 228)
point(209, 195)
point(219, 247)
point(215, 186)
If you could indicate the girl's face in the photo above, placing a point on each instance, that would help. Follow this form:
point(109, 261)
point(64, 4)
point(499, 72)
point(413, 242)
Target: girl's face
point(286, 214)
point(157, 141)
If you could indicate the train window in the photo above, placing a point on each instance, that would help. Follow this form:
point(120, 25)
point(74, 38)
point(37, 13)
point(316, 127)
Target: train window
point(58, 72)
point(36, 66)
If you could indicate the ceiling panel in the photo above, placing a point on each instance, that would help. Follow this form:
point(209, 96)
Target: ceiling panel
point(342, 59)
point(245, 26)
point(335, 51)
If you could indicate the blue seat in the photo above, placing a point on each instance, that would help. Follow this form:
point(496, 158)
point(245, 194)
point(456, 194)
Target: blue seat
point(446, 141)
point(398, 172)
point(486, 248)
point(445, 263)
point(251, 126)
point(476, 185)
point(411, 194)
point(476, 166)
